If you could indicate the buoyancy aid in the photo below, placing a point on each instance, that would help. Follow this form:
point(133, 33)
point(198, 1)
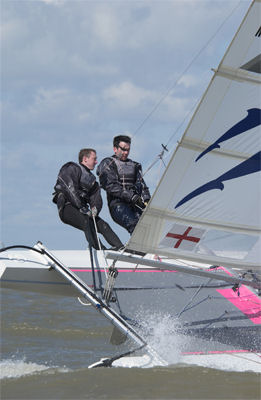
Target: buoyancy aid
point(127, 171)
point(121, 180)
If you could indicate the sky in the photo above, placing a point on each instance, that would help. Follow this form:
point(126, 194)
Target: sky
point(75, 73)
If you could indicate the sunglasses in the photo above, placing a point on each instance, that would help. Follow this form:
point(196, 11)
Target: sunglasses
point(123, 149)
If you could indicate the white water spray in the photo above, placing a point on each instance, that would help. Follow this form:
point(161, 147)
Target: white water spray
point(162, 335)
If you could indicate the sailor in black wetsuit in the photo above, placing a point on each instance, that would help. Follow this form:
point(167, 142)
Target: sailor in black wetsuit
point(78, 198)
point(127, 193)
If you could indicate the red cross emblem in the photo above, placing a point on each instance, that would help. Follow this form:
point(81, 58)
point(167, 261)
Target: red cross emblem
point(182, 237)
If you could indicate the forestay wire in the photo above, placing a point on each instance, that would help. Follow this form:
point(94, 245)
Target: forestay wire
point(172, 86)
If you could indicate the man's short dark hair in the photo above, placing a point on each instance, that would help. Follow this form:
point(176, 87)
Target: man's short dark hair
point(121, 138)
point(86, 153)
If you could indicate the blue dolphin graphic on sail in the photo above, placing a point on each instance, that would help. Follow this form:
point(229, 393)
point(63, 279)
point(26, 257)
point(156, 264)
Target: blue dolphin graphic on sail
point(251, 165)
point(252, 120)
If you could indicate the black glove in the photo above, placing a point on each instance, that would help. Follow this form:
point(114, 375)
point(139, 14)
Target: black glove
point(93, 212)
point(84, 210)
point(137, 201)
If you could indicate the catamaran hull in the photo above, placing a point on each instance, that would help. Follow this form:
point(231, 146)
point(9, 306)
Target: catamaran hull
point(206, 318)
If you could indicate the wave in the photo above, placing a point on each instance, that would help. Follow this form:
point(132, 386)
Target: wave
point(10, 368)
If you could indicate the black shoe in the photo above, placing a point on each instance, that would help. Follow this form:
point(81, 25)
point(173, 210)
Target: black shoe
point(116, 248)
point(138, 253)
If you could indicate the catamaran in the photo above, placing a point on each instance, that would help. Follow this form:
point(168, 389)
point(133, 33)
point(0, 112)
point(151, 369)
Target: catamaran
point(194, 258)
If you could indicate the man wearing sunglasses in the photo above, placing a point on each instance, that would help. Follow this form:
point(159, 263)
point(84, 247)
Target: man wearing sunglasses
point(121, 178)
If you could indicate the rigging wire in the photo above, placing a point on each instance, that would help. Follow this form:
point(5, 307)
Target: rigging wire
point(106, 267)
point(21, 247)
point(161, 155)
point(172, 86)
point(185, 70)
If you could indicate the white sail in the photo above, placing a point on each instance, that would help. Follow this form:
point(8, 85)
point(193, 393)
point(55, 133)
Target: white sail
point(207, 206)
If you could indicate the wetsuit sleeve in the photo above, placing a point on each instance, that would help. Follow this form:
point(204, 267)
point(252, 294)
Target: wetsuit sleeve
point(95, 199)
point(69, 180)
point(109, 180)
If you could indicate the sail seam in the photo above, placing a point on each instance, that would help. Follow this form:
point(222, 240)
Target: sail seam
point(170, 216)
point(199, 146)
point(237, 74)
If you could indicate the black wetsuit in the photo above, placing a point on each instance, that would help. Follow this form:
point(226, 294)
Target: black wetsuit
point(76, 189)
point(122, 180)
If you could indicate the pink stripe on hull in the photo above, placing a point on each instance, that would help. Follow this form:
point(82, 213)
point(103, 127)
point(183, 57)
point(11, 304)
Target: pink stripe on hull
point(247, 302)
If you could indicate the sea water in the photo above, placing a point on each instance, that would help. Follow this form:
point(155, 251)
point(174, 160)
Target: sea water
point(48, 342)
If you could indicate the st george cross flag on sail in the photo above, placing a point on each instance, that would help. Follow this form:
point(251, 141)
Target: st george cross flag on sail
point(182, 237)
point(213, 180)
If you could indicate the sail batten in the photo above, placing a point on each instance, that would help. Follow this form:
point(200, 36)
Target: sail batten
point(238, 74)
point(199, 146)
point(207, 204)
point(160, 213)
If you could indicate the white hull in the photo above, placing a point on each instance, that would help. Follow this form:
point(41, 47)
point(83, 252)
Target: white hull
point(239, 362)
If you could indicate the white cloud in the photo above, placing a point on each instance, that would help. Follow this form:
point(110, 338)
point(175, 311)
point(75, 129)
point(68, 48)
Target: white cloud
point(53, 2)
point(81, 66)
point(188, 80)
point(46, 105)
point(50, 98)
point(14, 31)
point(126, 95)
point(106, 25)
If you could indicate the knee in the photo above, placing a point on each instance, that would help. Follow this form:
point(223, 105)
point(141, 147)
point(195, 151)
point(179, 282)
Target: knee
point(130, 226)
point(124, 215)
